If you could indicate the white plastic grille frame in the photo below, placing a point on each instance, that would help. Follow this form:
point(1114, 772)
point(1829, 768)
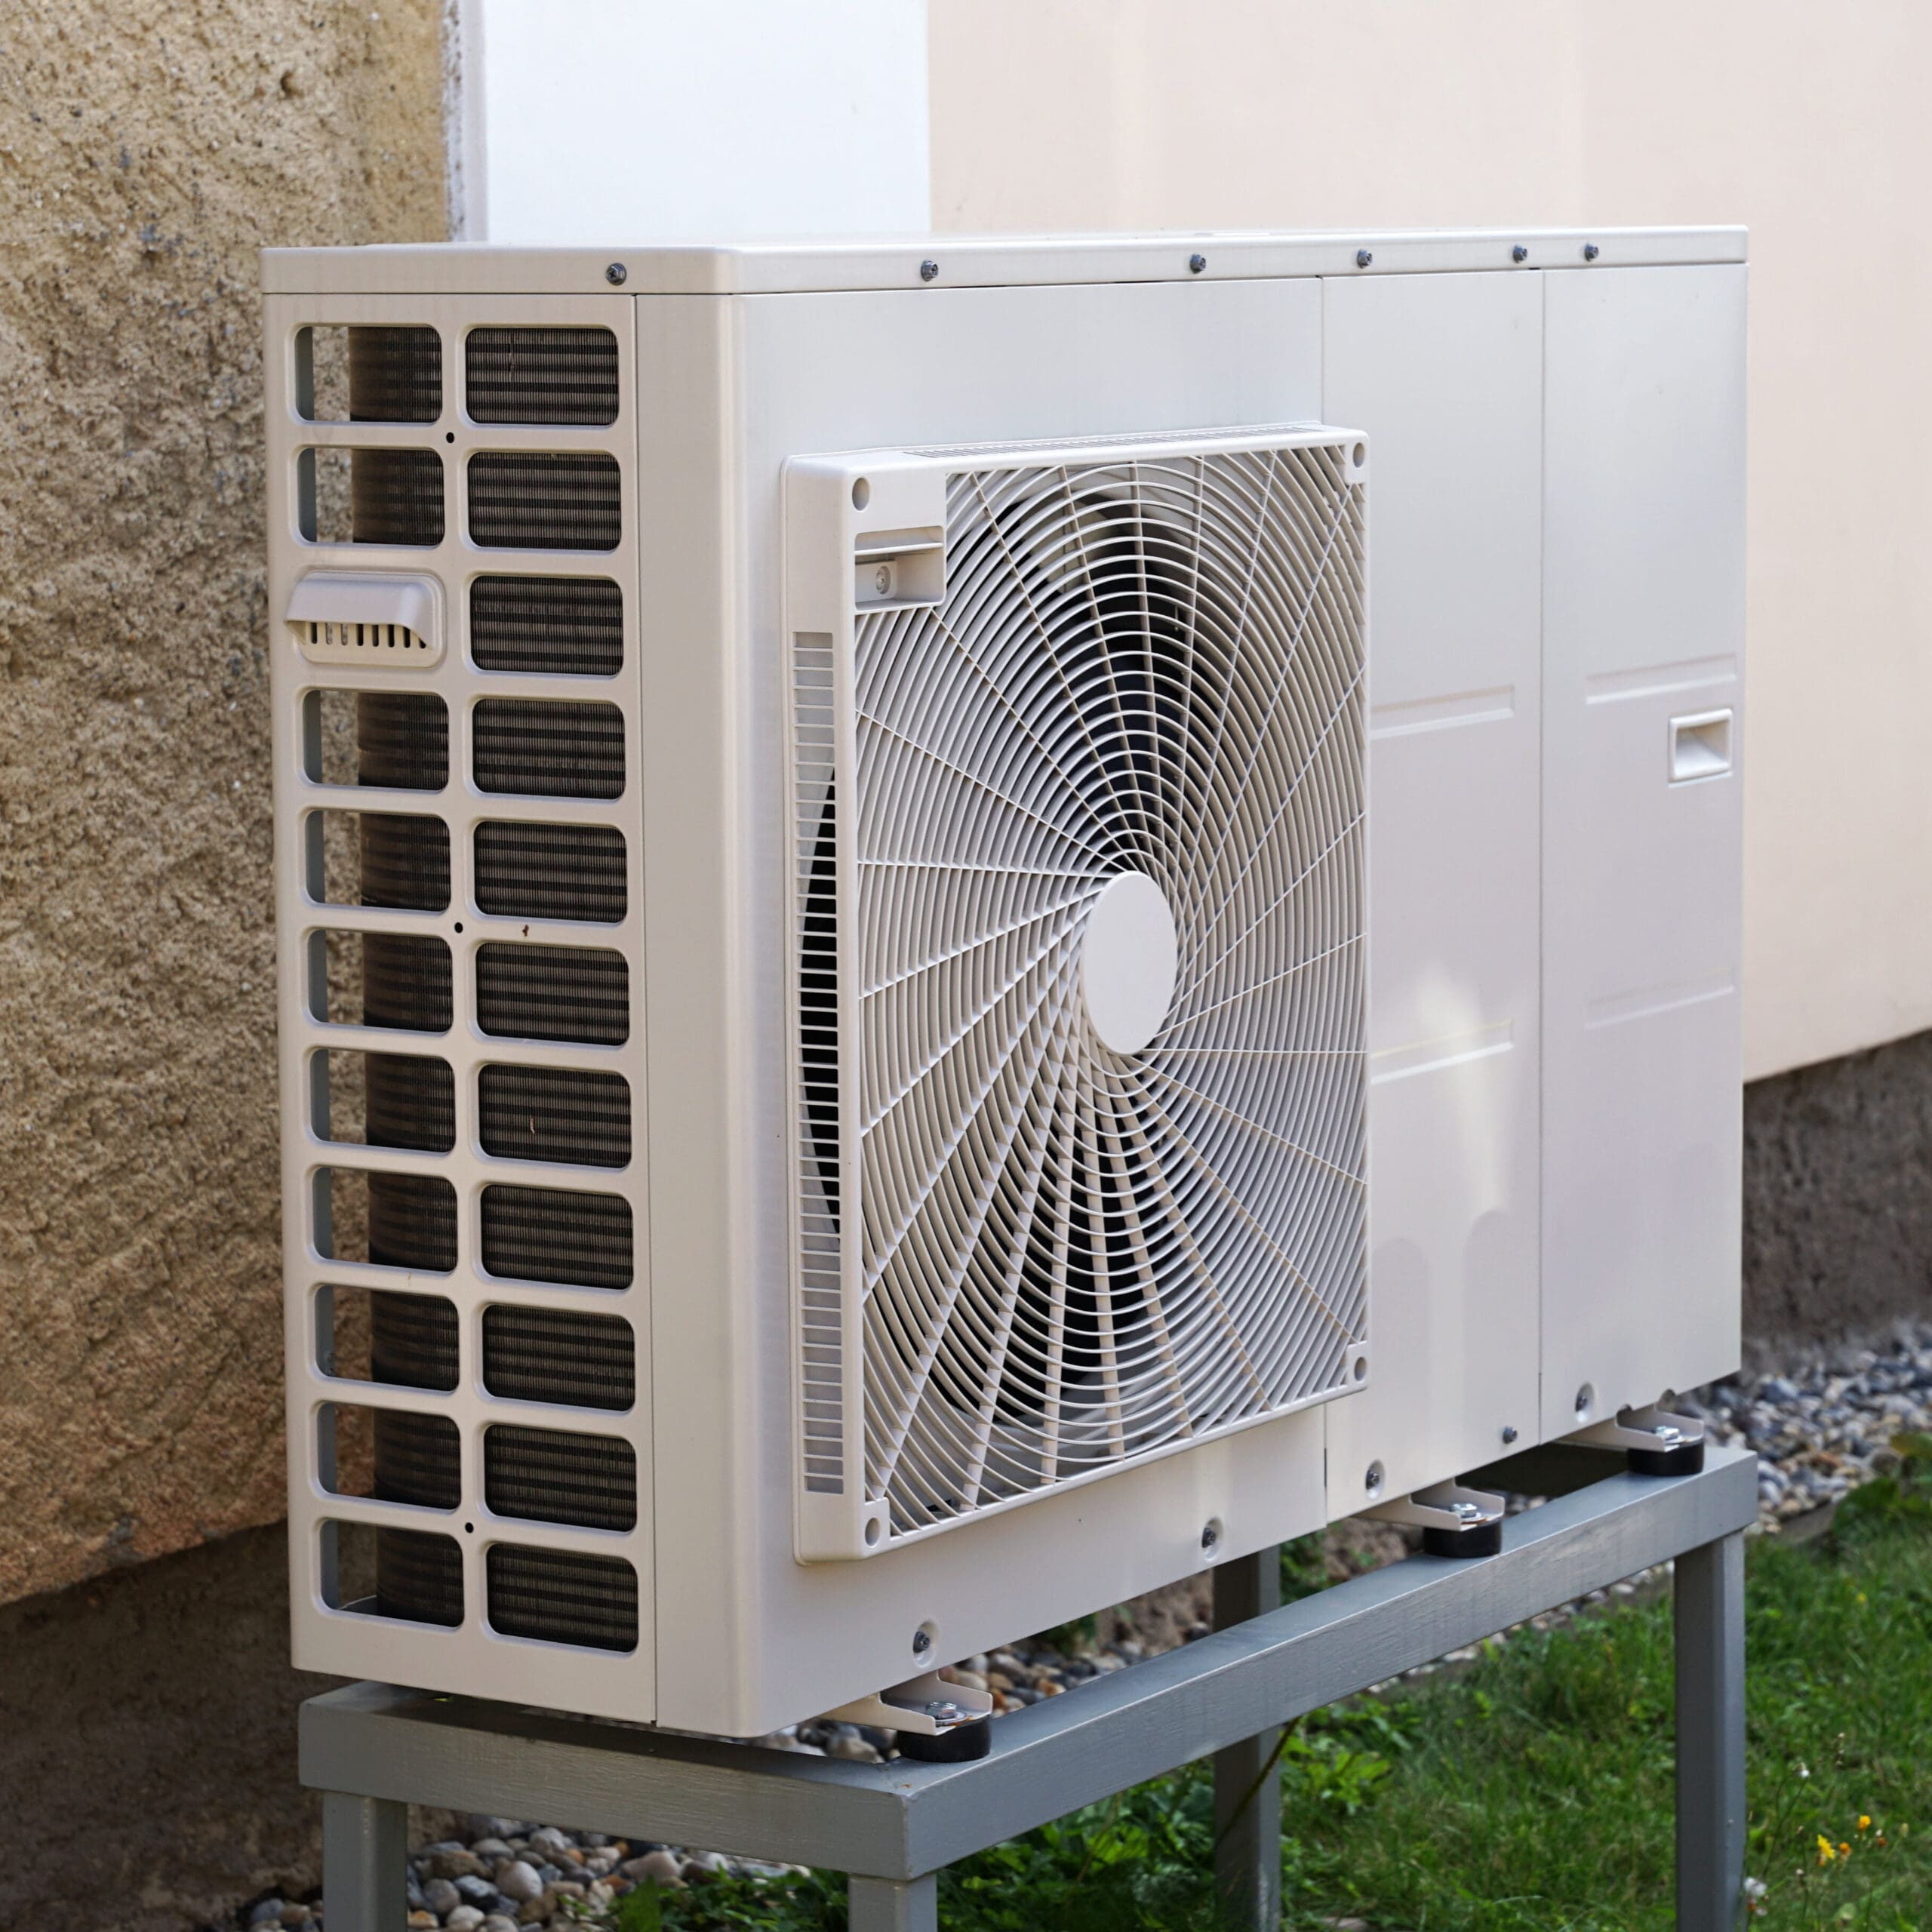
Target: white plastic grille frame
point(469, 1657)
point(1145, 657)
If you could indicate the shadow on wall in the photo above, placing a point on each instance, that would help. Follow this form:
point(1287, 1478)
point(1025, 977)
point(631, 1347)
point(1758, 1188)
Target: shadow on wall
point(1838, 1199)
point(147, 1744)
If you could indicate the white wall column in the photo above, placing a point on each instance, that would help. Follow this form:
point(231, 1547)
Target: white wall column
point(686, 120)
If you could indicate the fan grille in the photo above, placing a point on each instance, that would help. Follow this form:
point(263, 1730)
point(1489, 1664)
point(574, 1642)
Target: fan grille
point(1069, 1258)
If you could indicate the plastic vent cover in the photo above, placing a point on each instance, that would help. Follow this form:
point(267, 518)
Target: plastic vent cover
point(1081, 1046)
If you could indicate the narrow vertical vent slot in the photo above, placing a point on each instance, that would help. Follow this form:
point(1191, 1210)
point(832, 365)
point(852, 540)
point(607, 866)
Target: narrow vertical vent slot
point(815, 900)
point(559, 1356)
point(563, 1598)
point(553, 626)
point(552, 872)
point(548, 751)
point(541, 375)
point(553, 993)
point(535, 500)
point(547, 1234)
point(555, 1475)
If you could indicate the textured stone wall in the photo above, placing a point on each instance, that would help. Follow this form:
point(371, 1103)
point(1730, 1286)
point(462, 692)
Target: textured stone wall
point(148, 148)
point(1838, 1199)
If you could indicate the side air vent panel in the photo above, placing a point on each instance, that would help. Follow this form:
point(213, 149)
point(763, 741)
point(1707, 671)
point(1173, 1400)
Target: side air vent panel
point(467, 1032)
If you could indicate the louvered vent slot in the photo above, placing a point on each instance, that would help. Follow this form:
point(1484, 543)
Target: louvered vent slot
point(544, 1234)
point(549, 751)
point(365, 643)
point(396, 497)
point(534, 500)
point(555, 1113)
point(552, 872)
point(551, 1476)
point(821, 1337)
point(541, 375)
point(554, 626)
point(563, 1598)
point(412, 1341)
point(418, 1576)
point(396, 375)
point(553, 993)
point(557, 1354)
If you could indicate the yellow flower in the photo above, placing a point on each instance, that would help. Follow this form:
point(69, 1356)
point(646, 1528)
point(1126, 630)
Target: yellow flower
point(1845, 1851)
point(1827, 1851)
point(1864, 1822)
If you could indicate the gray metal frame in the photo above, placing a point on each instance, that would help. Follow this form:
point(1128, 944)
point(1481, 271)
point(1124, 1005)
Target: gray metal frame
point(372, 1749)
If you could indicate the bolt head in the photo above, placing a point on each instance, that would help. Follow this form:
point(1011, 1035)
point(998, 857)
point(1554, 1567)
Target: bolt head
point(1363, 258)
point(1519, 253)
point(1583, 1398)
point(1591, 251)
point(1196, 263)
point(921, 1643)
point(1210, 1537)
point(928, 270)
point(615, 275)
point(1509, 1432)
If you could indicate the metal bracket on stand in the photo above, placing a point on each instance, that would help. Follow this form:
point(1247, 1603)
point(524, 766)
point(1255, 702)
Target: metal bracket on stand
point(1454, 1520)
point(374, 1749)
point(1658, 1443)
point(936, 1719)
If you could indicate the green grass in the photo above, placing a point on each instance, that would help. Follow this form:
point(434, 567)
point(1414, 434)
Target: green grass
point(1533, 1793)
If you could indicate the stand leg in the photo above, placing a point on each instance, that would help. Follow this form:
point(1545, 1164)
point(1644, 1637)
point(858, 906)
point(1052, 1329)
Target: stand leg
point(889, 1905)
point(1247, 1783)
point(1710, 1735)
point(365, 1846)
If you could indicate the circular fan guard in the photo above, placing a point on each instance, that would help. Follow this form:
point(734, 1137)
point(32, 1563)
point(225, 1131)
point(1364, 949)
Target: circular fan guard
point(1071, 1258)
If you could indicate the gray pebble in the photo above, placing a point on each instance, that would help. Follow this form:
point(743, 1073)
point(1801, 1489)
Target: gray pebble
point(268, 1909)
point(517, 1880)
point(442, 1897)
point(465, 1918)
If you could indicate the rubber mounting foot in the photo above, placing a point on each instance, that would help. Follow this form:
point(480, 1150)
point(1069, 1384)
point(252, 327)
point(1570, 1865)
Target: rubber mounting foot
point(962, 1745)
point(1485, 1539)
point(1686, 1460)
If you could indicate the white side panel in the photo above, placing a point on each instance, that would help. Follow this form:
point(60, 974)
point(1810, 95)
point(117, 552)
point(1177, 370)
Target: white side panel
point(1644, 631)
point(661, 121)
point(748, 1637)
point(471, 1658)
point(1445, 374)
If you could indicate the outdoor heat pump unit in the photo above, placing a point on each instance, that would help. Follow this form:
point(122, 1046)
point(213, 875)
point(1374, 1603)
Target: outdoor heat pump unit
point(966, 926)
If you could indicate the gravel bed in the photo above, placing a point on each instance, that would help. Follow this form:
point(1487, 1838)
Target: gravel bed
point(1817, 1432)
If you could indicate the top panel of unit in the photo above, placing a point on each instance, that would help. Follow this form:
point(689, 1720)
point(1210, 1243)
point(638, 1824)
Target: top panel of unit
point(960, 261)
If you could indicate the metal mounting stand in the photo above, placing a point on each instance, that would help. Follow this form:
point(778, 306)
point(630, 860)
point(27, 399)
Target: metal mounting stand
point(372, 1749)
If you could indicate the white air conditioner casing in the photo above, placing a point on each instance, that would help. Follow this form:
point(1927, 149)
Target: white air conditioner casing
point(1023, 909)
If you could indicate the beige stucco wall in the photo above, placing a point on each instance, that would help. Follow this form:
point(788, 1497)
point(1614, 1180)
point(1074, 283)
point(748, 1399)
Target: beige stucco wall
point(147, 148)
point(1809, 124)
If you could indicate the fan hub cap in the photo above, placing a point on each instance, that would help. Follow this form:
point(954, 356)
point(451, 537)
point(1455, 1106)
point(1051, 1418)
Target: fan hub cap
point(1128, 961)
